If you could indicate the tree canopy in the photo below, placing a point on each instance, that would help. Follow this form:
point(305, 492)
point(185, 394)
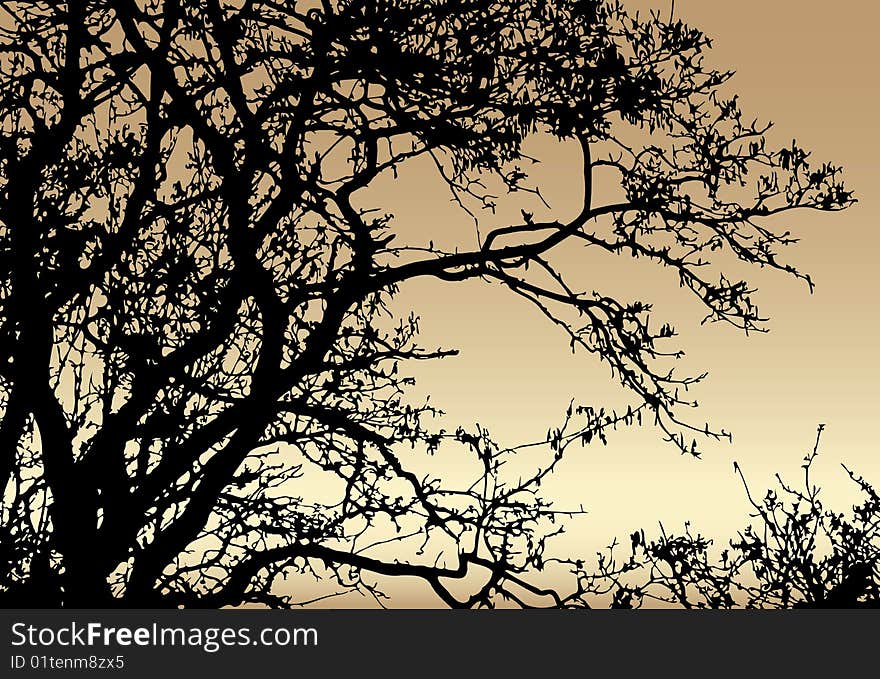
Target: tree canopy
point(195, 288)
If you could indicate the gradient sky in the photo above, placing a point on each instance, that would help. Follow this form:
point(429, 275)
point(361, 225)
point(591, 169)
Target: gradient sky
point(810, 68)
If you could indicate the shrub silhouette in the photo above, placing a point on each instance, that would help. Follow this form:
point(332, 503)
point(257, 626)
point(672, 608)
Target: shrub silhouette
point(796, 553)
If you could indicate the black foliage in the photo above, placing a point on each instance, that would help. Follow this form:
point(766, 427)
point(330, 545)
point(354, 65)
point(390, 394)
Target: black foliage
point(195, 287)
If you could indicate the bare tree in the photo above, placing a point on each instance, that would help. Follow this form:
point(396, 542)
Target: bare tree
point(196, 278)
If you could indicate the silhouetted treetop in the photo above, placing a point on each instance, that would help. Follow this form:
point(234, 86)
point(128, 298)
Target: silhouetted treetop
point(195, 319)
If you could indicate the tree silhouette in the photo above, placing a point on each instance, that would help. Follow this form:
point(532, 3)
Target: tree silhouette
point(196, 279)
